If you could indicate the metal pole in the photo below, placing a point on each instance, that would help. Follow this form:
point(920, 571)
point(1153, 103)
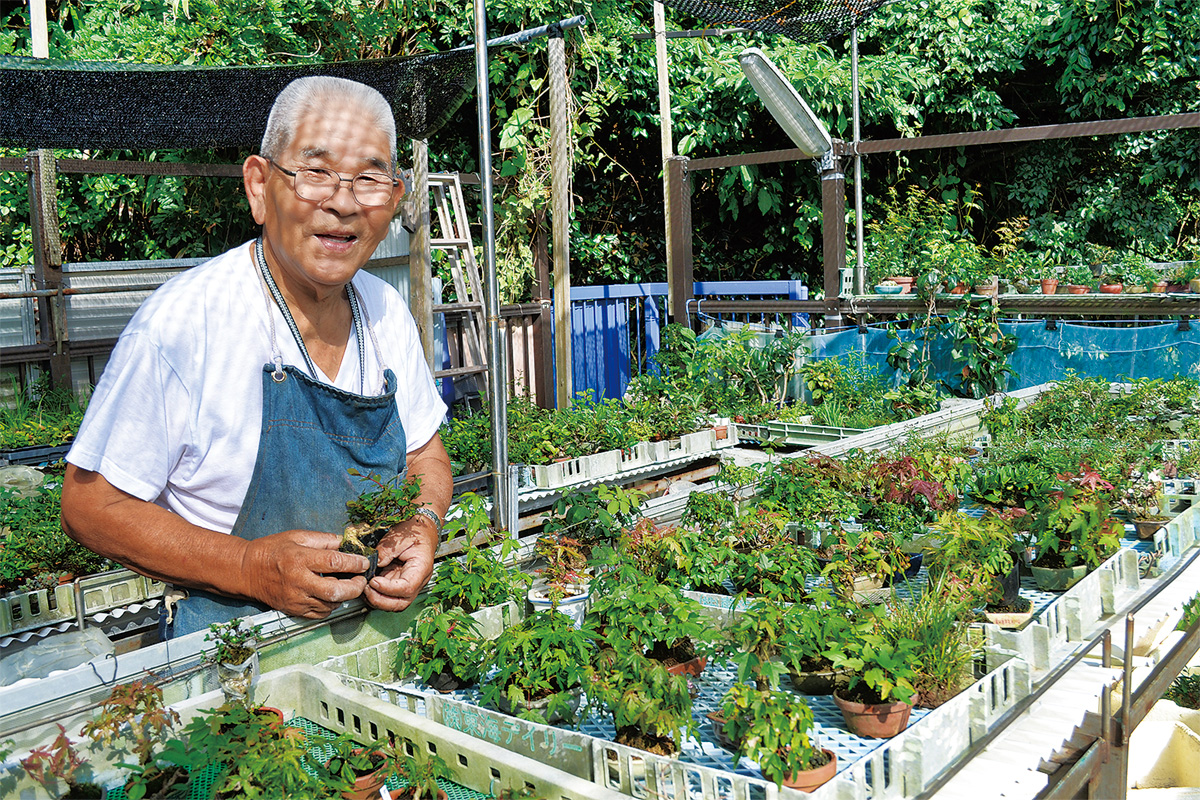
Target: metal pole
point(560, 192)
point(668, 146)
point(497, 362)
point(860, 274)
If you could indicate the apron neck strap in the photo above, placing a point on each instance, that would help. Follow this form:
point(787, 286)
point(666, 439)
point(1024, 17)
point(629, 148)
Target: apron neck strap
point(355, 313)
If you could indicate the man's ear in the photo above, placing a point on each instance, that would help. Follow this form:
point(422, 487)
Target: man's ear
point(255, 171)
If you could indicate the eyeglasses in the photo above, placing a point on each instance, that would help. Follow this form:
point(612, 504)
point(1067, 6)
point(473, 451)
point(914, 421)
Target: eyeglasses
point(317, 185)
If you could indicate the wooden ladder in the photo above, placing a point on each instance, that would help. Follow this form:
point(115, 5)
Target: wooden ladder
point(455, 242)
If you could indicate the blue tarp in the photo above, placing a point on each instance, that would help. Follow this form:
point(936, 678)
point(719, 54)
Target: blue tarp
point(1151, 351)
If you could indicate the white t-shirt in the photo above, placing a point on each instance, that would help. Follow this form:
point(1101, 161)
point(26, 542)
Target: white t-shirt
point(176, 416)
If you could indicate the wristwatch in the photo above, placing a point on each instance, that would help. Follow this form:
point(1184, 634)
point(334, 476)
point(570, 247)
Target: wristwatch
point(432, 516)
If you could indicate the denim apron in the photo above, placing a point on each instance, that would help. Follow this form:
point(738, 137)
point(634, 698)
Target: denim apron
point(312, 433)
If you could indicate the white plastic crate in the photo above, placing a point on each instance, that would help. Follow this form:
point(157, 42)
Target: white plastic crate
point(577, 470)
point(636, 457)
point(320, 697)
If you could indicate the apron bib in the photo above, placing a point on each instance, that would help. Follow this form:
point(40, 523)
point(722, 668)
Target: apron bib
point(311, 434)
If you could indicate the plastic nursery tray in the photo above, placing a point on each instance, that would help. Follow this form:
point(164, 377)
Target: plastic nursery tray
point(793, 433)
point(22, 611)
point(35, 456)
point(319, 697)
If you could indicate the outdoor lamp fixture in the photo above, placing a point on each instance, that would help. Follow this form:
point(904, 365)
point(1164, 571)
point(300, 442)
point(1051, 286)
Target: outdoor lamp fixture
point(785, 104)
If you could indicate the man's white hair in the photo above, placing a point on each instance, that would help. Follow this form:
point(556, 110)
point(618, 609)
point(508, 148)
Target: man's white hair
point(323, 91)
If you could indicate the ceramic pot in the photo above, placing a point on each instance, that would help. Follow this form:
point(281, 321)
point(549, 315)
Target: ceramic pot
point(824, 682)
point(367, 786)
point(574, 605)
point(905, 281)
point(718, 728)
point(1058, 579)
point(1135, 289)
point(1049, 285)
point(989, 289)
point(874, 720)
point(1194, 286)
point(1111, 288)
point(1146, 528)
point(694, 666)
point(1158, 287)
point(807, 780)
point(1076, 288)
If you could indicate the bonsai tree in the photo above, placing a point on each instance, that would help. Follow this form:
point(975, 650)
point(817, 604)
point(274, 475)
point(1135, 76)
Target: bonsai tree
point(972, 556)
point(382, 504)
point(593, 516)
point(252, 754)
point(655, 618)
point(444, 649)
point(565, 566)
point(477, 578)
point(236, 656)
point(650, 707)
point(1076, 527)
point(880, 664)
point(355, 767)
point(134, 713)
point(774, 729)
point(812, 638)
point(418, 772)
point(541, 660)
point(869, 554)
point(756, 637)
point(56, 767)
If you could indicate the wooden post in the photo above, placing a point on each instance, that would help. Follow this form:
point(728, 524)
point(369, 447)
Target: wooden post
point(47, 264)
point(679, 268)
point(560, 192)
point(420, 268)
point(543, 340)
point(833, 233)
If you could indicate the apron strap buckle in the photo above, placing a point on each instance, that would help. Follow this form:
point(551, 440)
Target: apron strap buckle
point(278, 375)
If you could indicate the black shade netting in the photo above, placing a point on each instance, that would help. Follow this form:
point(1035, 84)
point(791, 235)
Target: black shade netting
point(803, 20)
point(72, 104)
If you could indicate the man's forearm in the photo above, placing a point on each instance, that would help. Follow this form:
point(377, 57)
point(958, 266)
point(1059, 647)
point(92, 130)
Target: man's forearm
point(148, 539)
point(432, 465)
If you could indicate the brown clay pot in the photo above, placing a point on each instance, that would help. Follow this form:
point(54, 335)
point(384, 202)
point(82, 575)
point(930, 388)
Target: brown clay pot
point(1111, 288)
point(1158, 287)
point(402, 794)
point(874, 720)
point(1146, 528)
point(1049, 285)
point(693, 667)
point(808, 779)
point(1076, 288)
point(904, 281)
point(959, 289)
point(367, 786)
point(1194, 286)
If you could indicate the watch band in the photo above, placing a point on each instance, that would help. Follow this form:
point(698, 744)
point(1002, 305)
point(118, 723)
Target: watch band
point(433, 517)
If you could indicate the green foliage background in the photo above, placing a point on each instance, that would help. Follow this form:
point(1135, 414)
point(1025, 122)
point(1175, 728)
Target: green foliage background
point(927, 67)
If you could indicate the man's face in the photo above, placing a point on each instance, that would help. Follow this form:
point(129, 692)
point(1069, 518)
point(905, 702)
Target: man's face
point(316, 247)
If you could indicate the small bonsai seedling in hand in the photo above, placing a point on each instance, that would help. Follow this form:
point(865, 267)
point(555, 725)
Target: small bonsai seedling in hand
point(382, 505)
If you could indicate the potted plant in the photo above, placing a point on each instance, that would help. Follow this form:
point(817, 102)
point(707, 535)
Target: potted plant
point(881, 665)
point(943, 658)
point(775, 730)
point(1141, 500)
point(861, 561)
point(1079, 279)
point(1075, 532)
point(540, 664)
point(757, 637)
point(972, 561)
point(249, 755)
point(779, 569)
point(654, 617)
point(357, 771)
point(650, 707)
point(56, 767)
point(419, 774)
point(562, 584)
point(381, 505)
point(1112, 281)
point(235, 654)
point(444, 649)
point(1049, 278)
point(134, 712)
point(479, 577)
point(812, 642)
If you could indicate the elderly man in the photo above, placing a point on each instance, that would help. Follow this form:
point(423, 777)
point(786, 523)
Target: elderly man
point(216, 449)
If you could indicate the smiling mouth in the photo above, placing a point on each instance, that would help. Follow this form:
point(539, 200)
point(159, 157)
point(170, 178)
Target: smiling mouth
point(345, 238)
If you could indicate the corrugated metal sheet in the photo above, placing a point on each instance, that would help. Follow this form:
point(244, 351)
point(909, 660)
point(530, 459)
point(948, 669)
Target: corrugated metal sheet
point(104, 316)
point(16, 316)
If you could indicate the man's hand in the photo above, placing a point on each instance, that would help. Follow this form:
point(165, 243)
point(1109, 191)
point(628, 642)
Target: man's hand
point(405, 564)
point(289, 572)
